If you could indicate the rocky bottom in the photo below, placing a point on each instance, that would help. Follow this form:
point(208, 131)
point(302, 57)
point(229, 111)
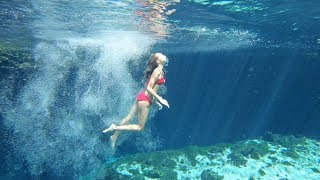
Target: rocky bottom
point(270, 157)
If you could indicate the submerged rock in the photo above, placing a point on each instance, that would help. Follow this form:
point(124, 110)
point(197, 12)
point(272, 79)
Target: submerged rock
point(15, 57)
point(276, 158)
point(241, 151)
point(261, 172)
point(210, 175)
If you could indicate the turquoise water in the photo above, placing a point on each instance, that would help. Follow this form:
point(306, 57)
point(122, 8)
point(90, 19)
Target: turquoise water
point(70, 69)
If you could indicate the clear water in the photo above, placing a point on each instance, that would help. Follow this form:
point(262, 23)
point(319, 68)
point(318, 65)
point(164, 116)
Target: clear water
point(237, 69)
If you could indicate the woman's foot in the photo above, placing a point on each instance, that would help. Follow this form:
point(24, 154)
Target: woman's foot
point(111, 128)
point(113, 142)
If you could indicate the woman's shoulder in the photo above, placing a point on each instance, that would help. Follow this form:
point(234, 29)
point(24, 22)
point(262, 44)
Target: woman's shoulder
point(157, 72)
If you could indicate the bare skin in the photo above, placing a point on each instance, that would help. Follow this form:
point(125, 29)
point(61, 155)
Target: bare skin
point(140, 108)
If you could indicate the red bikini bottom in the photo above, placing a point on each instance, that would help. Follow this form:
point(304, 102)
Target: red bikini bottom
point(143, 97)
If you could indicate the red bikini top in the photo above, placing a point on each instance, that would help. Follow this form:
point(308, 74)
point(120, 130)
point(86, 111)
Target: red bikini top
point(161, 81)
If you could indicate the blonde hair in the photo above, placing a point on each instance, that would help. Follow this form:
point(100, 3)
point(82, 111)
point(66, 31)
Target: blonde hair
point(151, 65)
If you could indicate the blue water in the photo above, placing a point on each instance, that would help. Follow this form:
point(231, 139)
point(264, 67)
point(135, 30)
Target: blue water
point(237, 69)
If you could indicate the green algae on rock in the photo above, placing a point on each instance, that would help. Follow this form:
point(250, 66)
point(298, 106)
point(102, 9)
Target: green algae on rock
point(253, 159)
point(210, 175)
point(315, 170)
point(261, 172)
point(15, 57)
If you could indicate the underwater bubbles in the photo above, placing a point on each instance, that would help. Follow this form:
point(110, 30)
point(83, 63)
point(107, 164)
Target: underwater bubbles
point(81, 86)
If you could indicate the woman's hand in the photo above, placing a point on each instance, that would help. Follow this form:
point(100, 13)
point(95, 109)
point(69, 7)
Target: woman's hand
point(159, 105)
point(164, 102)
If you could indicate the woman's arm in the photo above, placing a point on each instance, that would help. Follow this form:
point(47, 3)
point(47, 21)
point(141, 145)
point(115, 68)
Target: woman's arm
point(154, 77)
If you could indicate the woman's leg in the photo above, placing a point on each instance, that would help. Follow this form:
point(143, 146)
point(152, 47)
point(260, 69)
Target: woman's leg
point(143, 109)
point(124, 121)
point(143, 114)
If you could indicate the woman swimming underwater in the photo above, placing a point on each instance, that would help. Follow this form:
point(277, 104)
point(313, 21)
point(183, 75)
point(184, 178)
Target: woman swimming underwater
point(154, 74)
